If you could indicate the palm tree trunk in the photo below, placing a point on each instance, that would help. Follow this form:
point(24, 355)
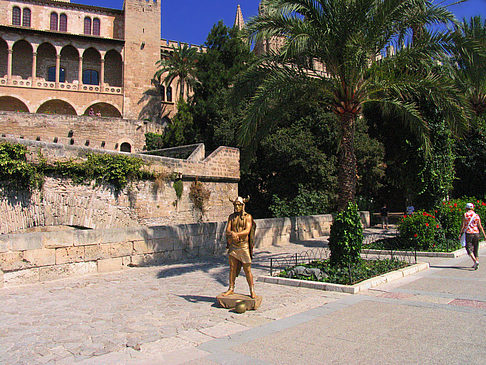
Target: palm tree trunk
point(347, 169)
point(181, 88)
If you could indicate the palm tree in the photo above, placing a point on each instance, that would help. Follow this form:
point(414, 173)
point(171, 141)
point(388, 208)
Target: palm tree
point(347, 37)
point(179, 63)
point(469, 56)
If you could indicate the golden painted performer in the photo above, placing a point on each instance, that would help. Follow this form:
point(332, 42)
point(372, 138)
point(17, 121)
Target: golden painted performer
point(240, 238)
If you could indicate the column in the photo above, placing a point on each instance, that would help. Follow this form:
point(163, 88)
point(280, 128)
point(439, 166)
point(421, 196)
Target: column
point(80, 71)
point(34, 67)
point(9, 64)
point(58, 68)
point(102, 76)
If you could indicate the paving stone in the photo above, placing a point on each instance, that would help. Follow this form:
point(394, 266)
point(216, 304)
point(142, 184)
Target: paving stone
point(162, 308)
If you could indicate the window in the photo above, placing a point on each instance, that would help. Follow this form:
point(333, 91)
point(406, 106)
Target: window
point(96, 26)
point(90, 77)
point(87, 25)
point(169, 93)
point(51, 74)
point(53, 21)
point(26, 18)
point(16, 16)
point(162, 92)
point(63, 23)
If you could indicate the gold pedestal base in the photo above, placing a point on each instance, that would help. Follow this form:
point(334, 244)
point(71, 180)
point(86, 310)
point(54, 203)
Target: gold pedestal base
point(229, 301)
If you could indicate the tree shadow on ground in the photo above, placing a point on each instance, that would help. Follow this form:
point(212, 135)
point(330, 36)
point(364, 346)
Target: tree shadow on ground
point(199, 299)
point(464, 268)
point(215, 267)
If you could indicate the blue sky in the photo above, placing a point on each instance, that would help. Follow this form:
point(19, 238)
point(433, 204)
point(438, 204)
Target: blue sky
point(191, 20)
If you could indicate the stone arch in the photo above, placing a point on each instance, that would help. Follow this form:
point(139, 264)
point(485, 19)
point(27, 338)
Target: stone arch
point(126, 147)
point(3, 58)
point(22, 59)
point(70, 63)
point(91, 65)
point(113, 68)
point(105, 109)
point(46, 58)
point(56, 106)
point(11, 104)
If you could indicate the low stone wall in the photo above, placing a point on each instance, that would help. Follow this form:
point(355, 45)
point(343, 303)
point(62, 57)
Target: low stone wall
point(60, 202)
point(43, 256)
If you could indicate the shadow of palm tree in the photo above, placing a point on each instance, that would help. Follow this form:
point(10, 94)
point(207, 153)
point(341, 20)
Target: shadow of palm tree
point(215, 267)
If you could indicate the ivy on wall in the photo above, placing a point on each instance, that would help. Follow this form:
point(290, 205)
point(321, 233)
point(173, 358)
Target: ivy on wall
point(15, 171)
point(116, 170)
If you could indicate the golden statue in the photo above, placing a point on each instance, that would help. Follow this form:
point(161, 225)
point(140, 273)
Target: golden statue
point(240, 238)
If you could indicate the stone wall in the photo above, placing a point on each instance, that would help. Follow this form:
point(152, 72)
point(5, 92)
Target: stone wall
point(60, 202)
point(42, 256)
point(95, 132)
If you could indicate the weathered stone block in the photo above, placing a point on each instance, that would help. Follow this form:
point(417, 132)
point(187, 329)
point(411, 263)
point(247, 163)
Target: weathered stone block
point(63, 271)
point(11, 261)
point(69, 254)
point(160, 232)
point(113, 235)
point(3, 243)
point(42, 257)
point(107, 265)
point(21, 242)
point(135, 233)
point(137, 260)
point(1, 279)
point(58, 239)
point(21, 277)
point(141, 247)
point(162, 244)
point(121, 249)
point(96, 252)
point(87, 237)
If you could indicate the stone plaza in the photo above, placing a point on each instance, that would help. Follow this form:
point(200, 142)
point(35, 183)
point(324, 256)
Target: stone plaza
point(168, 314)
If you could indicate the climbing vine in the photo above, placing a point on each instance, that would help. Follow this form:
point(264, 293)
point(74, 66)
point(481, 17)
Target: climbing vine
point(116, 170)
point(199, 196)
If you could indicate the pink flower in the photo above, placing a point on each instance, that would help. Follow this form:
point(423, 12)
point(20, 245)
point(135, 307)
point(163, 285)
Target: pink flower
point(437, 226)
point(455, 205)
point(426, 224)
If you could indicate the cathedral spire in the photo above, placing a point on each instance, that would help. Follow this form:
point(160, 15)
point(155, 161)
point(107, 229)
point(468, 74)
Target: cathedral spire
point(239, 22)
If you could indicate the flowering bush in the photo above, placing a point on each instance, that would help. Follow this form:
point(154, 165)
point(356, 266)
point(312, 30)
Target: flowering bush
point(419, 230)
point(450, 214)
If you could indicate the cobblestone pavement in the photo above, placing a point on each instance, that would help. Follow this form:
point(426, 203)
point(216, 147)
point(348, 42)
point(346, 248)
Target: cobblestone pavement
point(155, 309)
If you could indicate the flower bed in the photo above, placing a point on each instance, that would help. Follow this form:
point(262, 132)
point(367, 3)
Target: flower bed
point(397, 244)
point(322, 271)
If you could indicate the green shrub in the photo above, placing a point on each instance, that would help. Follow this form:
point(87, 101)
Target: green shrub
point(178, 187)
point(306, 202)
point(15, 171)
point(153, 141)
point(199, 196)
point(345, 275)
point(419, 230)
point(451, 213)
point(116, 170)
point(346, 237)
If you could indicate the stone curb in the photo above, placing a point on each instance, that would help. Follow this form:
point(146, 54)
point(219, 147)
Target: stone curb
point(450, 255)
point(349, 289)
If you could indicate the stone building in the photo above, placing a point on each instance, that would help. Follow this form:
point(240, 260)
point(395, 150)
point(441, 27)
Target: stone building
point(58, 57)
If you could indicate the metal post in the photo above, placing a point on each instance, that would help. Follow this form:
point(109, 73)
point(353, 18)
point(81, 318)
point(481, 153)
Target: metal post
point(271, 266)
